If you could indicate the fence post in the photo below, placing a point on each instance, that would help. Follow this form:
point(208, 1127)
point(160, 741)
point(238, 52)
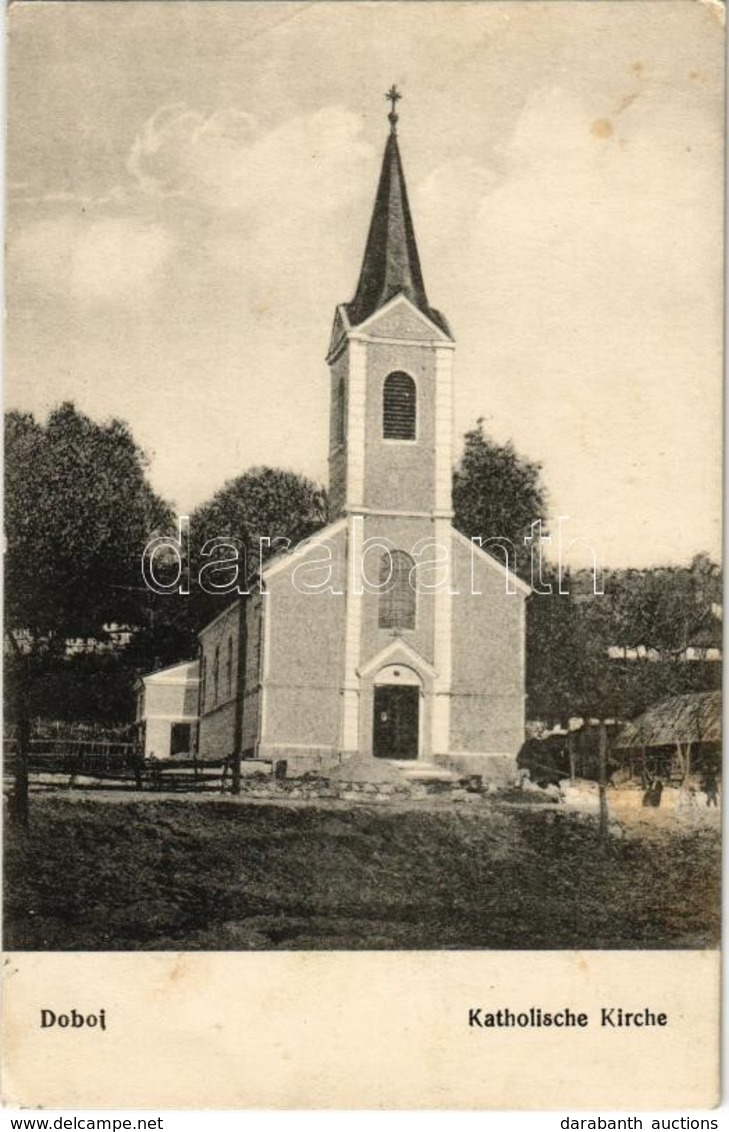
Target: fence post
point(603, 780)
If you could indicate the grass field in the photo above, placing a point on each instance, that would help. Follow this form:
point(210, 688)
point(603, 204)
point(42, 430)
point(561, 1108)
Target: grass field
point(121, 873)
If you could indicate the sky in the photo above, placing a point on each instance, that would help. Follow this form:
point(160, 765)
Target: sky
point(190, 187)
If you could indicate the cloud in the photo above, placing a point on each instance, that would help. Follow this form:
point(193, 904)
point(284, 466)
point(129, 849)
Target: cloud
point(179, 151)
point(310, 163)
point(594, 275)
point(265, 200)
point(90, 259)
point(447, 200)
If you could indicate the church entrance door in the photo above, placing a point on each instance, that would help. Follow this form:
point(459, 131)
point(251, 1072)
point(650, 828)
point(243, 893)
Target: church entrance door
point(396, 722)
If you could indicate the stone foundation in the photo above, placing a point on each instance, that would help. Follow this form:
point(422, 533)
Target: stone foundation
point(300, 760)
point(312, 788)
point(498, 769)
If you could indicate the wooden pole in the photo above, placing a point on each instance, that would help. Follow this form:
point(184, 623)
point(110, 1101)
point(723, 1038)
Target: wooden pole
point(685, 785)
point(19, 809)
point(240, 687)
point(682, 766)
point(572, 755)
point(602, 749)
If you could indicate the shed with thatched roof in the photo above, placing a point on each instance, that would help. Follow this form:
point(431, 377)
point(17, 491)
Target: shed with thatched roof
point(676, 736)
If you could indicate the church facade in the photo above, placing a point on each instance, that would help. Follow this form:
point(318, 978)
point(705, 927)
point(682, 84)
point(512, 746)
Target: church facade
point(388, 633)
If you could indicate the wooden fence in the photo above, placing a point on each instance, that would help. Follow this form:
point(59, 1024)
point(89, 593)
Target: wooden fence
point(95, 763)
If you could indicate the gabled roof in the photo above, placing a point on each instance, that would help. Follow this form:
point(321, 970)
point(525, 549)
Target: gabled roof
point(184, 672)
point(290, 557)
point(391, 264)
point(500, 567)
point(223, 613)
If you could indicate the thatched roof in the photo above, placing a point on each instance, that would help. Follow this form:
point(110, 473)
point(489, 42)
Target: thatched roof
point(693, 718)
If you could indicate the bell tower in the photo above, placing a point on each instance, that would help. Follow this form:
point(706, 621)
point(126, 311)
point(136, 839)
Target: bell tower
point(390, 448)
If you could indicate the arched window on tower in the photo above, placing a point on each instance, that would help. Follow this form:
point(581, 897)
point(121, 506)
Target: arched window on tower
point(397, 595)
point(399, 407)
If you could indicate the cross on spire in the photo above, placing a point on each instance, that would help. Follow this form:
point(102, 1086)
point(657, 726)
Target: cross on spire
point(393, 96)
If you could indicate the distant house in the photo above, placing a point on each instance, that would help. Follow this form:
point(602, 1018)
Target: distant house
point(116, 637)
point(167, 710)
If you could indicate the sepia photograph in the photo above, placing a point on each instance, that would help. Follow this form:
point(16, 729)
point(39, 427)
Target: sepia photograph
point(363, 487)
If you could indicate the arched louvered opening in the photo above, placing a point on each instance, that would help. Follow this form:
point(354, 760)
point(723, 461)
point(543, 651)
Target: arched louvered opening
point(399, 407)
point(397, 595)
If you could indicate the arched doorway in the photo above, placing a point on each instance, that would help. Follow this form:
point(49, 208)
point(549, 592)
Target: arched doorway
point(396, 722)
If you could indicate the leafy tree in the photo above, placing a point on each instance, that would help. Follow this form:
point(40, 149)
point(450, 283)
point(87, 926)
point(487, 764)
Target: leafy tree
point(78, 513)
point(553, 641)
point(86, 689)
point(668, 609)
point(645, 618)
point(498, 494)
point(256, 513)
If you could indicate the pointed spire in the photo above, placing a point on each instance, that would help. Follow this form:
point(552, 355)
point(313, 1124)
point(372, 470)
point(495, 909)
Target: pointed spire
point(391, 264)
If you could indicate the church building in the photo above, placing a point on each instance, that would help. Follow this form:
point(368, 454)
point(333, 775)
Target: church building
point(388, 633)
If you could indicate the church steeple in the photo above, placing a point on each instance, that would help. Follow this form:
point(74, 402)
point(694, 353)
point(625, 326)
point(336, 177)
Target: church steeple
point(391, 263)
point(390, 359)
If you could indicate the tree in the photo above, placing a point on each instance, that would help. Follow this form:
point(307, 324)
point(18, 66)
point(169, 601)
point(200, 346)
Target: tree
point(498, 494)
point(78, 513)
point(553, 640)
point(257, 513)
point(666, 610)
point(620, 651)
